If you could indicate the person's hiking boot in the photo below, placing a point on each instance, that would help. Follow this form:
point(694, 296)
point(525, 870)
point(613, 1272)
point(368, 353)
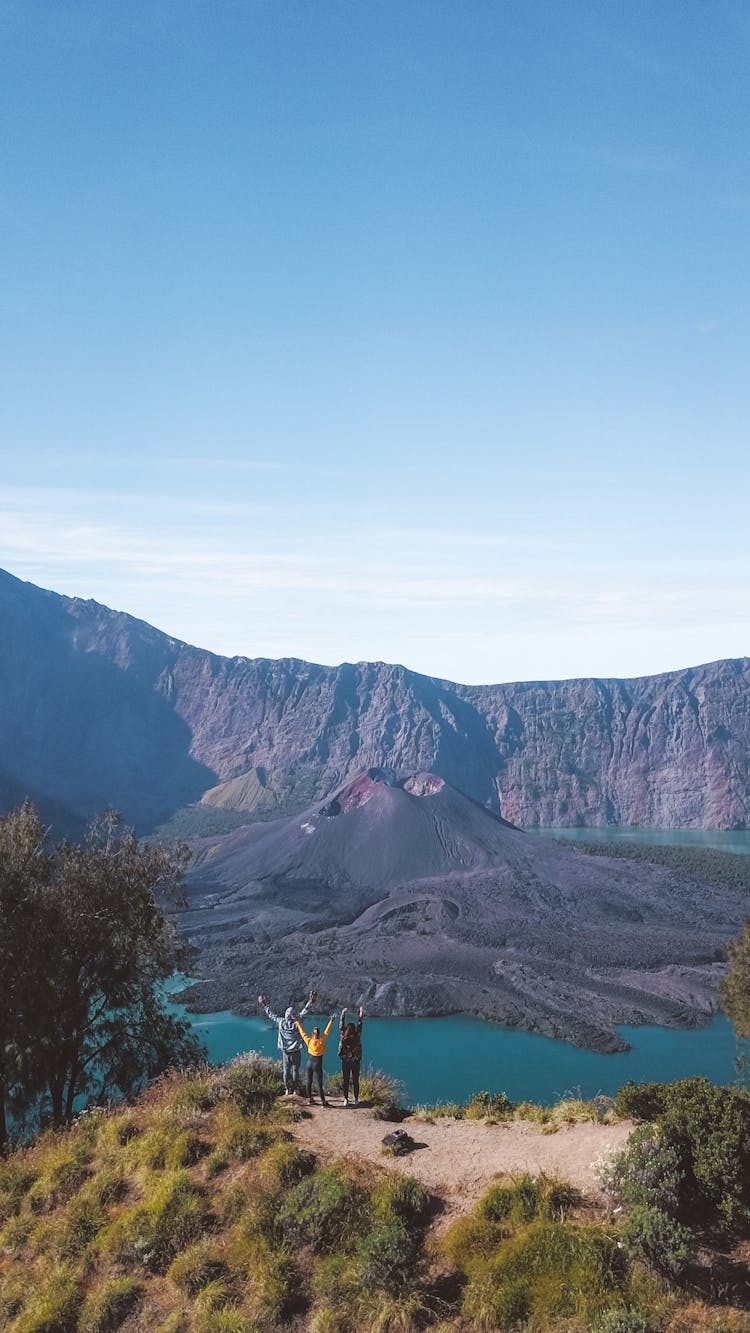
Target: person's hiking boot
point(323, 1102)
point(346, 1101)
point(356, 1101)
point(310, 1101)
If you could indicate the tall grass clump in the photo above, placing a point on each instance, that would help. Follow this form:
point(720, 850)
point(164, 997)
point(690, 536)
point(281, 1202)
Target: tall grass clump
point(51, 1305)
point(153, 1232)
point(547, 1272)
point(377, 1090)
point(109, 1304)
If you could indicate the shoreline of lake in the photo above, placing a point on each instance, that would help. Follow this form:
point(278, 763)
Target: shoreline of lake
point(449, 1059)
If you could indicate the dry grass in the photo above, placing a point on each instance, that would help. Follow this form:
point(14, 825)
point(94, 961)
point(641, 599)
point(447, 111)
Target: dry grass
point(195, 1211)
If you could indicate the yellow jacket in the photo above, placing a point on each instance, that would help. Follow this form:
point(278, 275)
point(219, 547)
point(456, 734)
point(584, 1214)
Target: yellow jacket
point(315, 1045)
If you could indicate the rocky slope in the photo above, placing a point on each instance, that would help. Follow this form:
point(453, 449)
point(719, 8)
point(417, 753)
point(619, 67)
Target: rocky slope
point(99, 707)
point(417, 900)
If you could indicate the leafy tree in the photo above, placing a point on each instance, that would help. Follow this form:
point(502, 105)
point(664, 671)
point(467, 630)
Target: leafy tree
point(735, 990)
point(88, 947)
point(24, 871)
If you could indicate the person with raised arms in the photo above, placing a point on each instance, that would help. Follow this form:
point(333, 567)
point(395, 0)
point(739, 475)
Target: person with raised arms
point(289, 1042)
point(316, 1049)
point(350, 1054)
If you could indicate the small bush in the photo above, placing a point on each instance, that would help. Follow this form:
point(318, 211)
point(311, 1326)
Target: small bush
point(646, 1171)
point(108, 1306)
point(254, 1083)
point(649, 1233)
point(525, 1198)
point(271, 1282)
point(489, 1106)
point(388, 1255)
point(64, 1161)
point(324, 1210)
point(383, 1093)
point(117, 1130)
point(402, 1198)
point(707, 1131)
point(78, 1226)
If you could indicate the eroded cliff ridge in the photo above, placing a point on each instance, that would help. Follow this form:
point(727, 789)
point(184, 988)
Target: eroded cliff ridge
point(98, 707)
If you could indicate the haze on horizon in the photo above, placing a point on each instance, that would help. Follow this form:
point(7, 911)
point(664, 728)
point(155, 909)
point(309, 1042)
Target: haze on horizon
point(415, 332)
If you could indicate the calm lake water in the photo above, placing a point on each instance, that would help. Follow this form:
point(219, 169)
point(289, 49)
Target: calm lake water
point(720, 839)
point(448, 1059)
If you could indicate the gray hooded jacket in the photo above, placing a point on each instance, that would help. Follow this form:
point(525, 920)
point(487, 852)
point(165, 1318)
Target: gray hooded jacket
point(289, 1039)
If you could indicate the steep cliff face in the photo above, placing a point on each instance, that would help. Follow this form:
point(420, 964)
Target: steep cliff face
point(99, 707)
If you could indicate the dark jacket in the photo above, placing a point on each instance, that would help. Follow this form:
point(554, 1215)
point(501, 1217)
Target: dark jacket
point(350, 1046)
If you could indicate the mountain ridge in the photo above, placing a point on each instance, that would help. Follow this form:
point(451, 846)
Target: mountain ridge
point(100, 707)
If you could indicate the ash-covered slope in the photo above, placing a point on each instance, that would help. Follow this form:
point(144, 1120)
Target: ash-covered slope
point(97, 707)
point(413, 899)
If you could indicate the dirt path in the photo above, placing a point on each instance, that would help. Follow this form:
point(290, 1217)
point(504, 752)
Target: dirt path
point(457, 1159)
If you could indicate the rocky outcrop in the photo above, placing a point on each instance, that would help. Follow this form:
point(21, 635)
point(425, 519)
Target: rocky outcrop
point(99, 707)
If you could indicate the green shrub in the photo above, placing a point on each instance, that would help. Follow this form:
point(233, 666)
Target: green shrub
point(323, 1210)
point(153, 1232)
point(707, 1129)
point(490, 1106)
point(64, 1169)
point(649, 1233)
point(388, 1254)
point(16, 1233)
point(108, 1306)
point(254, 1083)
point(117, 1130)
point(402, 1198)
point(78, 1226)
point(641, 1101)
point(51, 1306)
point(383, 1093)
point(647, 1171)
point(216, 1295)
point(548, 1272)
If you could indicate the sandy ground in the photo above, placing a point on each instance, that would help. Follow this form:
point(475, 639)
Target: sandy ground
point(458, 1159)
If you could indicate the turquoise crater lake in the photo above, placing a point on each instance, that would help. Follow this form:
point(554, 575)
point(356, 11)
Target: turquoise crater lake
point(448, 1059)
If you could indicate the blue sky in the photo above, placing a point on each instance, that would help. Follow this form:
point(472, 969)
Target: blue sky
point(407, 330)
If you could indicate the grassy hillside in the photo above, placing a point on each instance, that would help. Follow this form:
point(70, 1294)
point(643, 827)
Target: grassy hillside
point(195, 1211)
